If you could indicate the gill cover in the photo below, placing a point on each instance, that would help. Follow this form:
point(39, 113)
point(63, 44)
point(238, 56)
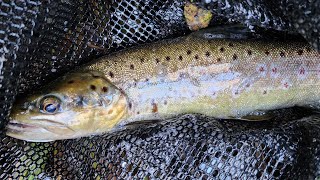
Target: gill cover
point(75, 105)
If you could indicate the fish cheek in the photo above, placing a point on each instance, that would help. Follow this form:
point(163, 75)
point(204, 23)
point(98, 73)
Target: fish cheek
point(84, 120)
point(63, 131)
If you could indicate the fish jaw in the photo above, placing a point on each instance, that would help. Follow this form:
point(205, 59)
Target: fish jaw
point(31, 133)
point(87, 104)
point(40, 128)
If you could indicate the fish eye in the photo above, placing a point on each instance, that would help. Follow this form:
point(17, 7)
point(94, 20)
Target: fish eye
point(50, 104)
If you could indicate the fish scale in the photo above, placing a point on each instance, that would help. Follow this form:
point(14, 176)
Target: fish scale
point(222, 78)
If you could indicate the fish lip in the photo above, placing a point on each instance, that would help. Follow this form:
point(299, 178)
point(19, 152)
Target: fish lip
point(15, 122)
point(19, 127)
point(17, 130)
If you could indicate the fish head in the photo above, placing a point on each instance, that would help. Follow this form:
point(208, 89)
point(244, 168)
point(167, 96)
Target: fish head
point(75, 105)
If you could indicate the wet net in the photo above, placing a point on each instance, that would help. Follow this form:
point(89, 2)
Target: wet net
point(40, 40)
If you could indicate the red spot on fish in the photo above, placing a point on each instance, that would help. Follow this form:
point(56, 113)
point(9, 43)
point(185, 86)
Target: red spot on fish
point(302, 71)
point(286, 85)
point(154, 108)
point(261, 69)
point(274, 70)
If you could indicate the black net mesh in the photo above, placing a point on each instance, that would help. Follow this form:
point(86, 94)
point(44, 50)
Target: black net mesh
point(39, 40)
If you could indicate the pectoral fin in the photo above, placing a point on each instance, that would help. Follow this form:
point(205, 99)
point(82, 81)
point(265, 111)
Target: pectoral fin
point(256, 116)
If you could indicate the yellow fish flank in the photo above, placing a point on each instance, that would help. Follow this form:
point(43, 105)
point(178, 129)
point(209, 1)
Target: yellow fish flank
point(221, 78)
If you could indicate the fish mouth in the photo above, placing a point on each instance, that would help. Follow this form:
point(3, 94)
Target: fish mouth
point(19, 126)
point(36, 132)
point(27, 132)
point(16, 127)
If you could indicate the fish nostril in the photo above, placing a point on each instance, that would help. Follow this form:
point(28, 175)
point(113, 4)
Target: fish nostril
point(24, 106)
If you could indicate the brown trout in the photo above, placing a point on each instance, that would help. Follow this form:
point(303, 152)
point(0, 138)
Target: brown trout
point(222, 78)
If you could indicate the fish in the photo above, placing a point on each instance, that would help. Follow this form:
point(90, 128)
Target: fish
point(200, 73)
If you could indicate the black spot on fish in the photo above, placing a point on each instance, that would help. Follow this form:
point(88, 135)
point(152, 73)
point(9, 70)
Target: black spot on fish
point(132, 66)
point(168, 58)
point(230, 45)
point(207, 53)
point(308, 49)
point(249, 52)
point(165, 102)
point(234, 57)
point(111, 74)
point(130, 105)
point(71, 81)
point(282, 54)
point(196, 56)
point(105, 89)
point(219, 60)
point(157, 60)
point(264, 92)
point(95, 76)
point(92, 87)
point(300, 52)
point(138, 112)
point(267, 52)
point(189, 52)
point(147, 79)
point(222, 49)
point(142, 60)
point(180, 58)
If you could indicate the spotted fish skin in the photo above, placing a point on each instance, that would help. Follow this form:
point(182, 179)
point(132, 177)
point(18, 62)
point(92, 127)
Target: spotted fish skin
point(215, 77)
point(220, 78)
